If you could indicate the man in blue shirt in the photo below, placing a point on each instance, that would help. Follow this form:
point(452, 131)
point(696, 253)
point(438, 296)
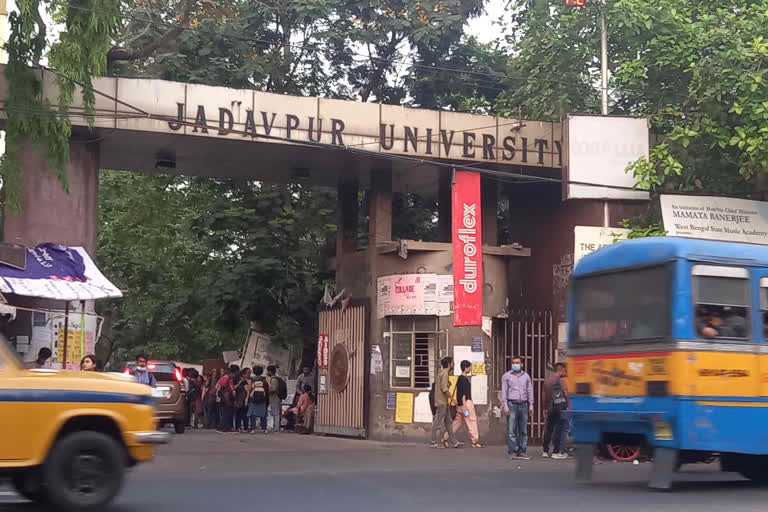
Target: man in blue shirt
point(141, 374)
point(517, 403)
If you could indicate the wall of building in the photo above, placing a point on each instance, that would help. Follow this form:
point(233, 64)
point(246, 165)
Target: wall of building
point(48, 212)
point(382, 424)
point(542, 222)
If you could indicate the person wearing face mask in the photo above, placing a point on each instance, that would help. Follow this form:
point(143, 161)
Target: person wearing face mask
point(141, 374)
point(517, 404)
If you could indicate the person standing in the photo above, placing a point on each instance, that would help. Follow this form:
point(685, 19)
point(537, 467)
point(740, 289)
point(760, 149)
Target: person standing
point(43, 355)
point(242, 390)
point(197, 403)
point(258, 399)
point(305, 379)
point(274, 396)
point(90, 364)
point(517, 403)
point(226, 393)
point(546, 398)
point(140, 372)
point(441, 422)
point(465, 408)
point(561, 401)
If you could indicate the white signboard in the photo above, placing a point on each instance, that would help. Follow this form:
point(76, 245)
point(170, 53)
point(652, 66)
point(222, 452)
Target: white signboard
point(599, 148)
point(715, 218)
point(413, 294)
point(588, 239)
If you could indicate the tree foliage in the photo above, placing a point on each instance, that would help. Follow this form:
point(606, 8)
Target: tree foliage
point(78, 55)
point(697, 70)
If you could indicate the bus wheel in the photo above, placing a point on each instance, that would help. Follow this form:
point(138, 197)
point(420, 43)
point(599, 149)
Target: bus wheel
point(623, 452)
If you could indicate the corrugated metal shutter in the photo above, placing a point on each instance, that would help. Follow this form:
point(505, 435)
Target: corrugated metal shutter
point(342, 409)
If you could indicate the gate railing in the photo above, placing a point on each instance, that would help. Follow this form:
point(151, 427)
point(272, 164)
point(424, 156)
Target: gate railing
point(528, 334)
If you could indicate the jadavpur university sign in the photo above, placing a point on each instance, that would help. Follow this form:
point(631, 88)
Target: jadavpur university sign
point(247, 115)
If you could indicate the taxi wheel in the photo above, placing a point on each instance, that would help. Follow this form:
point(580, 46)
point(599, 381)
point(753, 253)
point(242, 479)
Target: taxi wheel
point(30, 486)
point(84, 471)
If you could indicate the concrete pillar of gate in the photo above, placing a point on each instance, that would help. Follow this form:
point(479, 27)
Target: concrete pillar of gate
point(348, 210)
point(489, 198)
point(380, 217)
point(444, 200)
point(48, 212)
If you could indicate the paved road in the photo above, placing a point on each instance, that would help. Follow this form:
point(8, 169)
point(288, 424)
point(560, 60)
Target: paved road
point(203, 471)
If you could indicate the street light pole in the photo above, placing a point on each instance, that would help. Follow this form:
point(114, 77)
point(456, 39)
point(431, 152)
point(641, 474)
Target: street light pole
point(604, 90)
point(604, 61)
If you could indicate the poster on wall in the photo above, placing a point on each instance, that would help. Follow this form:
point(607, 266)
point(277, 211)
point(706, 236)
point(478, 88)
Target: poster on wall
point(48, 331)
point(588, 239)
point(411, 294)
point(467, 250)
point(322, 351)
point(715, 218)
point(465, 353)
point(404, 408)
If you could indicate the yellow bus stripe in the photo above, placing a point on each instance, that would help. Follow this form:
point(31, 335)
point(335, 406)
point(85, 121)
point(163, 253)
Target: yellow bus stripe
point(731, 404)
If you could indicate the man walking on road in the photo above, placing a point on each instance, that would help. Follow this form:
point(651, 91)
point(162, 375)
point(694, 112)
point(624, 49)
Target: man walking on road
point(465, 408)
point(517, 402)
point(555, 401)
point(442, 420)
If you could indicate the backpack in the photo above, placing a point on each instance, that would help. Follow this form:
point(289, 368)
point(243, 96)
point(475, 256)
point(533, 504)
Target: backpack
point(225, 395)
point(240, 394)
point(432, 398)
point(192, 392)
point(259, 391)
point(559, 400)
point(282, 388)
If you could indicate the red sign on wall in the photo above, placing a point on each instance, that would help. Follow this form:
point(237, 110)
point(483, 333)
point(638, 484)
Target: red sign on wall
point(322, 351)
point(467, 250)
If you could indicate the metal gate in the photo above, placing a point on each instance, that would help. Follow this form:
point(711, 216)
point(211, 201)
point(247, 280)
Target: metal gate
point(528, 334)
point(342, 400)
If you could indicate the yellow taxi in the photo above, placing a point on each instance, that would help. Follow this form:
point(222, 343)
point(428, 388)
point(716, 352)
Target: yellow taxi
point(66, 438)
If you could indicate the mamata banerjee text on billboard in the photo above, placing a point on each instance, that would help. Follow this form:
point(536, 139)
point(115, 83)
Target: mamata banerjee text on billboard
point(715, 218)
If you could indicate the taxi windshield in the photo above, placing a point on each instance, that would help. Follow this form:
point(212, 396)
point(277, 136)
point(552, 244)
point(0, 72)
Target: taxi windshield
point(622, 306)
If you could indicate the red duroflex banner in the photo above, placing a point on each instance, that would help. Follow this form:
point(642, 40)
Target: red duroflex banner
point(467, 250)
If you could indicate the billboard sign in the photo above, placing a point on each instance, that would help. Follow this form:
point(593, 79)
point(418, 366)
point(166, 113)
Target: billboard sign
point(598, 150)
point(715, 218)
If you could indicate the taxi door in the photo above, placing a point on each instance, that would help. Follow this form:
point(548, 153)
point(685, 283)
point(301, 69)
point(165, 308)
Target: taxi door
point(12, 425)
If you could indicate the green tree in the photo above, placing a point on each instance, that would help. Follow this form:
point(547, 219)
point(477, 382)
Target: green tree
point(148, 246)
point(697, 70)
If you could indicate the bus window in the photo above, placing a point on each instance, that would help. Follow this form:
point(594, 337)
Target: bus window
point(764, 305)
point(628, 305)
point(721, 295)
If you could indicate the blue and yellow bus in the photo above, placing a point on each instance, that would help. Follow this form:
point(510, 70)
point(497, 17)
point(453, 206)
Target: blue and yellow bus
point(668, 349)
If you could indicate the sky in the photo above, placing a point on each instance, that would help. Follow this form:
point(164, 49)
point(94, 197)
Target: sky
point(482, 28)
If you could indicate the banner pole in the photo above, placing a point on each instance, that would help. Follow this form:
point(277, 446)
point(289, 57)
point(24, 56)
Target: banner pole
point(66, 333)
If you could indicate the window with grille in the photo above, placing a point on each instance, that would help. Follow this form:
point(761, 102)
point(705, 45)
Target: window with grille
point(412, 351)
